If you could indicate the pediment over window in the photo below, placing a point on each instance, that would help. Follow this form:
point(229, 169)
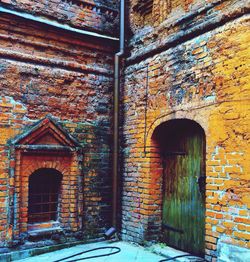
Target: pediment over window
point(46, 132)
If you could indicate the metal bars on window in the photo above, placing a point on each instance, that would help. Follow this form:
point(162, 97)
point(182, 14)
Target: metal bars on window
point(44, 187)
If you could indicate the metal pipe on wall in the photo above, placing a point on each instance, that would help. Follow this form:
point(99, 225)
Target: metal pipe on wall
point(118, 57)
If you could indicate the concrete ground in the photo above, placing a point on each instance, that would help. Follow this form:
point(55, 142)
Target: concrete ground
point(129, 253)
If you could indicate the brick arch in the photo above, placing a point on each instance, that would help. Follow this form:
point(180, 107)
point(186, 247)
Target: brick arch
point(155, 173)
point(64, 162)
point(181, 114)
point(50, 165)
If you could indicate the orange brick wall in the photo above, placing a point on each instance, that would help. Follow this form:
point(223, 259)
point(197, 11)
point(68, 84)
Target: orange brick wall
point(163, 10)
point(178, 70)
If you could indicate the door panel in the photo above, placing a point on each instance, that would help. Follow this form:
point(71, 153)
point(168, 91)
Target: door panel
point(183, 197)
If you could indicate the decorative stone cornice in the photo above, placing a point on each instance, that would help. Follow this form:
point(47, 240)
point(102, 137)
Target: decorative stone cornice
point(184, 31)
point(100, 8)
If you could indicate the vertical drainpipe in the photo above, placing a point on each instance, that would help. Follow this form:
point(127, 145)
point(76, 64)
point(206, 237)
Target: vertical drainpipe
point(117, 65)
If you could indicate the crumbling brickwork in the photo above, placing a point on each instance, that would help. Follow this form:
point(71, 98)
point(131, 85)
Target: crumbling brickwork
point(185, 60)
point(188, 62)
point(100, 16)
point(45, 71)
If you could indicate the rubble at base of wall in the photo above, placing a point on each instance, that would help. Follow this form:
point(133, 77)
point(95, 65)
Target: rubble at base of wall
point(229, 253)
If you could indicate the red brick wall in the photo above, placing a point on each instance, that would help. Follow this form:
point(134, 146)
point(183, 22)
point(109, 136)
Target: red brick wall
point(70, 207)
point(45, 71)
point(100, 16)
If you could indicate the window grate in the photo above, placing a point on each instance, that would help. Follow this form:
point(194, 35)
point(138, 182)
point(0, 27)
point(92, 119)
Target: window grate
point(44, 186)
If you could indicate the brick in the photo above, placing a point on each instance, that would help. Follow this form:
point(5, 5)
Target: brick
point(228, 224)
point(243, 213)
point(213, 162)
point(220, 229)
point(242, 227)
point(242, 220)
point(233, 169)
point(242, 235)
point(210, 239)
point(213, 174)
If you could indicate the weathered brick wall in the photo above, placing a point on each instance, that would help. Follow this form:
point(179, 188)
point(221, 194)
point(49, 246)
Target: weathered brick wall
point(180, 24)
point(165, 10)
point(44, 71)
point(199, 72)
point(93, 15)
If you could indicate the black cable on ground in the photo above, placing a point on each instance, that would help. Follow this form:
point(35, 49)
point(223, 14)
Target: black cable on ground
point(188, 255)
point(90, 250)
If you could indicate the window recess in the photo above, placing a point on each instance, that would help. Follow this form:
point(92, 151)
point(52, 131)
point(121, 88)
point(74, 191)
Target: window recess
point(44, 190)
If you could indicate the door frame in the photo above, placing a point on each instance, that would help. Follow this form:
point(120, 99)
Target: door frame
point(153, 220)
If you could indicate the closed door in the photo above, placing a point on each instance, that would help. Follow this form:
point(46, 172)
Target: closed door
point(183, 156)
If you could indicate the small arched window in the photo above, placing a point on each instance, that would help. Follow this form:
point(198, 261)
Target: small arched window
point(44, 195)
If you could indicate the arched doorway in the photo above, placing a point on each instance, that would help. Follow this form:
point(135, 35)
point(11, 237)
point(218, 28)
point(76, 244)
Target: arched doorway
point(44, 194)
point(182, 146)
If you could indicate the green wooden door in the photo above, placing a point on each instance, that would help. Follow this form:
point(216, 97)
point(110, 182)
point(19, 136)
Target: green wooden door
point(184, 189)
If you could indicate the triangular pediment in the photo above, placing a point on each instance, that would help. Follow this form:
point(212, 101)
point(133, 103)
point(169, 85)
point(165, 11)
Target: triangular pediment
point(47, 132)
point(47, 139)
